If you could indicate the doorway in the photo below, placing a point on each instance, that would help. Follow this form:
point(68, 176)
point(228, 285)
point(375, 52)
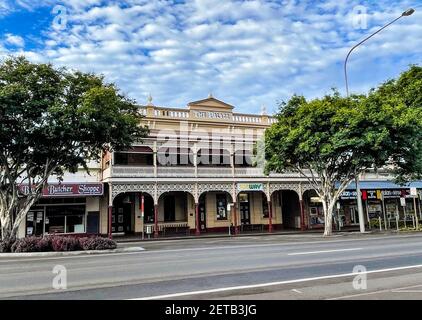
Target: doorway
point(202, 213)
point(35, 222)
point(354, 216)
point(169, 208)
point(244, 209)
point(121, 215)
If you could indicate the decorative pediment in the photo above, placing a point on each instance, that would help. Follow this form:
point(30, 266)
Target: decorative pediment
point(210, 103)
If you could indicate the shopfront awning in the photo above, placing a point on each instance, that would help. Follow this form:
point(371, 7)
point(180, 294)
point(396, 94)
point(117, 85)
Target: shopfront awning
point(383, 185)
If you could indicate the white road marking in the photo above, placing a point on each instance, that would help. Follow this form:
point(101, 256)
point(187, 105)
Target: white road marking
point(406, 289)
point(323, 251)
point(297, 291)
point(375, 292)
point(277, 283)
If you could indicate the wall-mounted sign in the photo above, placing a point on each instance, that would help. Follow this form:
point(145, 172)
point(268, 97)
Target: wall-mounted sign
point(413, 192)
point(213, 115)
point(403, 202)
point(250, 187)
point(70, 190)
point(376, 194)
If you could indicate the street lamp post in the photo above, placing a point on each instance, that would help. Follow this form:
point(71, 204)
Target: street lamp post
point(359, 199)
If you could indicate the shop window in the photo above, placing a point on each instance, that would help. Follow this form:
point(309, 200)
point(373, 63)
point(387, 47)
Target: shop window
point(316, 213)
point(75, 224)
point(221, 200)
point(243, 197)
point(374, 210)
point(65, 219)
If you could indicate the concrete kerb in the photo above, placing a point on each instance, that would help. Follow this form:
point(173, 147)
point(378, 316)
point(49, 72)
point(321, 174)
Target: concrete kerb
point(125, 240)
point(69, 253)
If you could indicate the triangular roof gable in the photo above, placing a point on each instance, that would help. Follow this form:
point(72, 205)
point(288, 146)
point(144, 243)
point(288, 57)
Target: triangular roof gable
point(210, 102)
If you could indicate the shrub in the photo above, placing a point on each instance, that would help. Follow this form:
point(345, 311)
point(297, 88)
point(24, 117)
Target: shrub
point(97, 243)
point(45, 244)
point(28, 244)
point(65, 244)
point(6, 244)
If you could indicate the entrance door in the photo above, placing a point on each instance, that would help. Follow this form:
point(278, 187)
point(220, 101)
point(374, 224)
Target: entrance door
point(169, 208)
point(120, 218)
point(245, 215)
point(202, 213)
point(354, 216)
point(35, 223)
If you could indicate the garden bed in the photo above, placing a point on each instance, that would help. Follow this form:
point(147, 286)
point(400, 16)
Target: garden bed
point(56, 244)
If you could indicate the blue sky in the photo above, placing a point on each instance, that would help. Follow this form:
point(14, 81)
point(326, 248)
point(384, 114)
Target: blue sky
point(248, 53)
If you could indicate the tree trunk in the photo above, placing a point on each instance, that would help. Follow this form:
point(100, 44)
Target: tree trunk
point(328, 207)
point(5, 232)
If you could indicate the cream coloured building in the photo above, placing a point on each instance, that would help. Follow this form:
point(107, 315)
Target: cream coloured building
point(200, 170)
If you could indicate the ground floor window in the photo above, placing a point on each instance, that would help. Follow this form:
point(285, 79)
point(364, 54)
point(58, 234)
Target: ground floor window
point(65, 219)
point(316, 213)
point(51, 219)
point(374, 209)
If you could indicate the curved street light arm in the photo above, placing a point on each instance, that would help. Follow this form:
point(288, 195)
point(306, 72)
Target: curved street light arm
point(357, 45)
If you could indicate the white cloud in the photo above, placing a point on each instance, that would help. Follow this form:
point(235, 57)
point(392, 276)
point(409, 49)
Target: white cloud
point(14, 40)
point(250, 53)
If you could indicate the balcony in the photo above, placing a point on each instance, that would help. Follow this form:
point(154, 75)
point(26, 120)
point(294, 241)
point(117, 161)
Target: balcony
point(249, 172)
point(129, 172)
point(209, 172)
point(189, 172)
point(176, 172)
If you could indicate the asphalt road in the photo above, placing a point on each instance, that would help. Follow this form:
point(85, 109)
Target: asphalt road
point(268, 267)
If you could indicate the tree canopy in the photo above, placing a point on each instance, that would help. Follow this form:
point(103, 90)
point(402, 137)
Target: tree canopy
point(333, 139)
point(54, 120)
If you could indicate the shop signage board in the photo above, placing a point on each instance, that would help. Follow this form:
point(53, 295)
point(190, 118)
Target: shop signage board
point(69, 190)
point(250, 187)
point(213, 115)
point(377, 194)
point(403, 202)
point(413, 192)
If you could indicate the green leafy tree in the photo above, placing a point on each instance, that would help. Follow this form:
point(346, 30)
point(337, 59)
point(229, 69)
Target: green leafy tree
point(330, 141)
point(51, 121)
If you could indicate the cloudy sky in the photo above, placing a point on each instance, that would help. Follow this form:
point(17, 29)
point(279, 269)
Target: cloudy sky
point(248, 53)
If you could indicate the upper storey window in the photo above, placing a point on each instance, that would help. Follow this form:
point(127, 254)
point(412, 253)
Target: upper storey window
point(216, 157)
point(175, 157)
point(243, 158)
point(136, 156)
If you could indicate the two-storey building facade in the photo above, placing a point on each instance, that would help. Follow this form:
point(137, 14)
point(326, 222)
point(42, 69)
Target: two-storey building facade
point(201, 170)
